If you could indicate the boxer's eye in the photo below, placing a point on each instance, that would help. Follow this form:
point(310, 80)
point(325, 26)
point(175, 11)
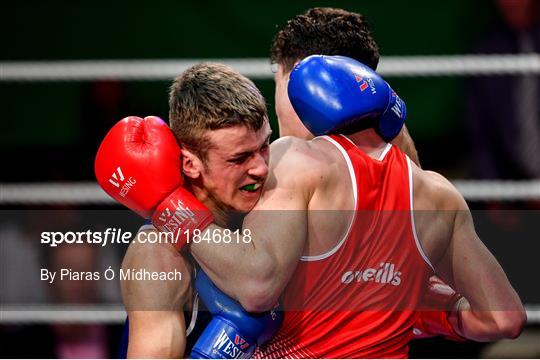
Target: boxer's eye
point(239, 160)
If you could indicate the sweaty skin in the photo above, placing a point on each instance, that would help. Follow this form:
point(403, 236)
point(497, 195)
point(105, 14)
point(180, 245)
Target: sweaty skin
point(307, 175)
point(157, 326)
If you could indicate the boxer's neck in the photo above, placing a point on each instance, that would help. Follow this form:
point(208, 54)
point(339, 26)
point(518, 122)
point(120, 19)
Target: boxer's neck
point(224, 216)
point(369, 142)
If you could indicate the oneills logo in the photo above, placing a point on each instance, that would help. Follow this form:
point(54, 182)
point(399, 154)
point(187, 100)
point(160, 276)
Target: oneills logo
point(385, 274)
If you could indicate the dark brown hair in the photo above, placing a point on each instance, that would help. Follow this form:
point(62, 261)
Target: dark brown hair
point(325, 31)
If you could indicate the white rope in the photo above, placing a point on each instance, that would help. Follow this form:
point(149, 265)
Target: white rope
point(121, 69)
point(91, 193)
point(65, 314)
point(533, 314)
point(259, 68)
point(53, 193)
point(464, 65)
point(110, 314)
point(498, 190)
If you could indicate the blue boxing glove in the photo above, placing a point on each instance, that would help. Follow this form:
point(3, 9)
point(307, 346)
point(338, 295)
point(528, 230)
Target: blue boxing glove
point(338, 94)
point(232, 333)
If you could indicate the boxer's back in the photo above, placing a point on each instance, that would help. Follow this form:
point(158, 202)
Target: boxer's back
point(354, 292)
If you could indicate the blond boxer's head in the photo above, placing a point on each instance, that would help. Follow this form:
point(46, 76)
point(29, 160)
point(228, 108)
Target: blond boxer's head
point(219, 118)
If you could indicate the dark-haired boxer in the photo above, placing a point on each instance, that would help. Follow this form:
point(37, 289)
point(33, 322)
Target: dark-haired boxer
point(356, 291)
point(361, 277)
point(333, 31)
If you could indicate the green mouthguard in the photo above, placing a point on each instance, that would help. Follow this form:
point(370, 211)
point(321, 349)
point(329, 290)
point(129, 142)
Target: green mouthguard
point(249, 187)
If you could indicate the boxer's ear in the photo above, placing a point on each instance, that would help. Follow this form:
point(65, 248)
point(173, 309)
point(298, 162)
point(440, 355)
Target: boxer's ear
point(192, 166)
point(288, 74)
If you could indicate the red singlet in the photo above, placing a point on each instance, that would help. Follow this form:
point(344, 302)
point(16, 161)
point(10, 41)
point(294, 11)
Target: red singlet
point(358, 299)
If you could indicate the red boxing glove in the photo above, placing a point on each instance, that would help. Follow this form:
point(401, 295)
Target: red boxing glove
point(139, 165)
point(440, 301)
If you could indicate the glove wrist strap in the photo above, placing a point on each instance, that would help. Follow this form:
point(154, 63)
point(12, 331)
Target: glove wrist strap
point(179, 214)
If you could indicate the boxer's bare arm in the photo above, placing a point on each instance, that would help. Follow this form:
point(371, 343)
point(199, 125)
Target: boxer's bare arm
point(492, 309)
point(155, 307)
point(405, 143)
point(256, 273)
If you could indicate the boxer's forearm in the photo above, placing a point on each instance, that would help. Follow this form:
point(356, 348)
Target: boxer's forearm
point(485, 325)
point(241, 269)
point(499, 316)
point(255, 273)
point(493, 309)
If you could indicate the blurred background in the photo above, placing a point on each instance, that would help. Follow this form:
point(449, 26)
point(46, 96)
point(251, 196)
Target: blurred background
point(59, 98)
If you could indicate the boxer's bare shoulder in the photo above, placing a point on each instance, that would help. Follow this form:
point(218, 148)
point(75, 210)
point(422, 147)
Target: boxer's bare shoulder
point(313, 159)
point(308, 175)
point(437, 206)
point(432, 191)
point(300, 164)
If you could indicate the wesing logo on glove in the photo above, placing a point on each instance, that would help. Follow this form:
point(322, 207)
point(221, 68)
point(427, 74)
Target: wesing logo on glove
point(117, 177)
point(398, 106)
point(233, 349)
point(172, 221)
point(365, 83)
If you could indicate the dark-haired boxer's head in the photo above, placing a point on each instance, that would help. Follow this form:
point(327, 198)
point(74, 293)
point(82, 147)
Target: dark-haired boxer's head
point(324, 31)
point(219, 118)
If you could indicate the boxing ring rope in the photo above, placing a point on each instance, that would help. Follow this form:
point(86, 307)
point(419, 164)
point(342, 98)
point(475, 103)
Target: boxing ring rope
point(63, 314)
point(260, 68)
point(84, 193)
point(256, 68)
point(90, 193)
point(110, 314)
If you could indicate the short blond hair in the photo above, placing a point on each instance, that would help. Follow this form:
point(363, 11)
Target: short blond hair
point(212, 96)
